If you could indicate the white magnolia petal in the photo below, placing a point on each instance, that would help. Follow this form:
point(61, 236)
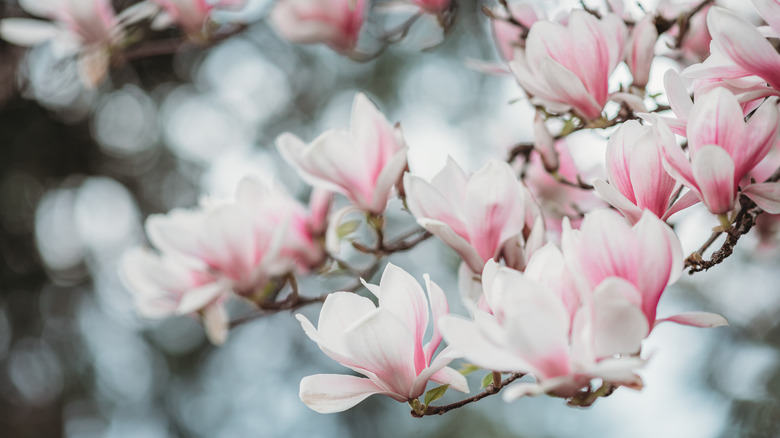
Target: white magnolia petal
point(330, 393)
point(697, 319)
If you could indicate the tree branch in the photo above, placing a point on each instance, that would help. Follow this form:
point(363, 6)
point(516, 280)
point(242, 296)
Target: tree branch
point(489, 390)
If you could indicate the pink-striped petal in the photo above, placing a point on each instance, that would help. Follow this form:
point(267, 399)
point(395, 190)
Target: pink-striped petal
point(713, 170)
point(697, 319)
point(330, 393)
point(765, 195)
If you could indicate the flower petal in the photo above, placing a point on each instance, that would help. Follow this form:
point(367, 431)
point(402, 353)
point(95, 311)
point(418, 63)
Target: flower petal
point(329, 393)
point(713, 170)
point(697, 319)
point(765, 195)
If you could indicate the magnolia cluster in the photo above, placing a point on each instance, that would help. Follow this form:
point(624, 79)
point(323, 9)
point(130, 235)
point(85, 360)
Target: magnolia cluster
point(560, 287)
point(91, 30)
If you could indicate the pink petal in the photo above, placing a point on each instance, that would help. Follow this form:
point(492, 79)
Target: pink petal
point(713, 170)
point(216, 323)
point(478, 347)
point(652, 185)
point(608, 247)
point(716, 119)
point(765, 195)
point(459, 244)
point(426, 201)
point(677, 95)
point(537, 325)
point(402, 296)
point(494, 208)
point(383, 344)
point(618, 155)
point(330, 393)
point(616, 199)
point(697, 319)
point(27, 32)
point(450, 376)
point(740, 41)
point(657, 261)
point(689, 199)
point(439, 308)
point(619, 324)
point(769, 11)
point(570, 89)
point(391, 174)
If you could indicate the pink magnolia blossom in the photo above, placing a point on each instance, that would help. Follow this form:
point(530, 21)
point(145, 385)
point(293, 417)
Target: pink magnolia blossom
point(648, 255)
point(696, 43)
point(636, 175)
point(384, 344)
point(85, 27)
point(745, 45)
point(363, 163)
point(568, 66)
point(556, 199)
point(575, 316)
point(723, 147)
point(481, 216)
point(336, 23)
point(224, 248)
point(190, 15)
point(640, 50)
point(533, 331)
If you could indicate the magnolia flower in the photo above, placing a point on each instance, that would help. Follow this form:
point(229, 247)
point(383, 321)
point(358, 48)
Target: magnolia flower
point(696, 42)
point(225, 248)
point(744, 45)
point(567, 67)
point(723, 148)
point(477, 216)
point(85, 27)
point(636, 175)
point(640, 50)
point(647, 255)
point(190, 15)
point(384, 344)
point(556, 199)
point(533, 331)
point(336, 23)
point(363, 163)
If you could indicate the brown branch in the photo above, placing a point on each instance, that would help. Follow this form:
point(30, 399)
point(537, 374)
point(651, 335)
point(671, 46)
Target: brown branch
point(743, 223)
point(683, 22)
point(489, 390)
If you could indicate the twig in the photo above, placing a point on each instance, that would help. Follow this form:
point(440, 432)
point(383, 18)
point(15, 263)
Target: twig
point(489, 390)
point(683, 22)
point(743, 223)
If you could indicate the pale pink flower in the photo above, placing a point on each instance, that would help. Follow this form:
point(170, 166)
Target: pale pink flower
point(385, 344)
point(478, 216)
point(696, 43)
point(648, 255)
point(222, 249)
point(640, 50)
point(87, 28)
point(363, 163)
point(636, 175)
point(336, 23)
point(532, 330)
point(745, 45)
point(567, 67)
point(723, 148)
point(558, 200)
point(190, 15)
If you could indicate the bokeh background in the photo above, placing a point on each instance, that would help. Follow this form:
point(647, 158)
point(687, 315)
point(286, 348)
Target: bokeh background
point(80, 169)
